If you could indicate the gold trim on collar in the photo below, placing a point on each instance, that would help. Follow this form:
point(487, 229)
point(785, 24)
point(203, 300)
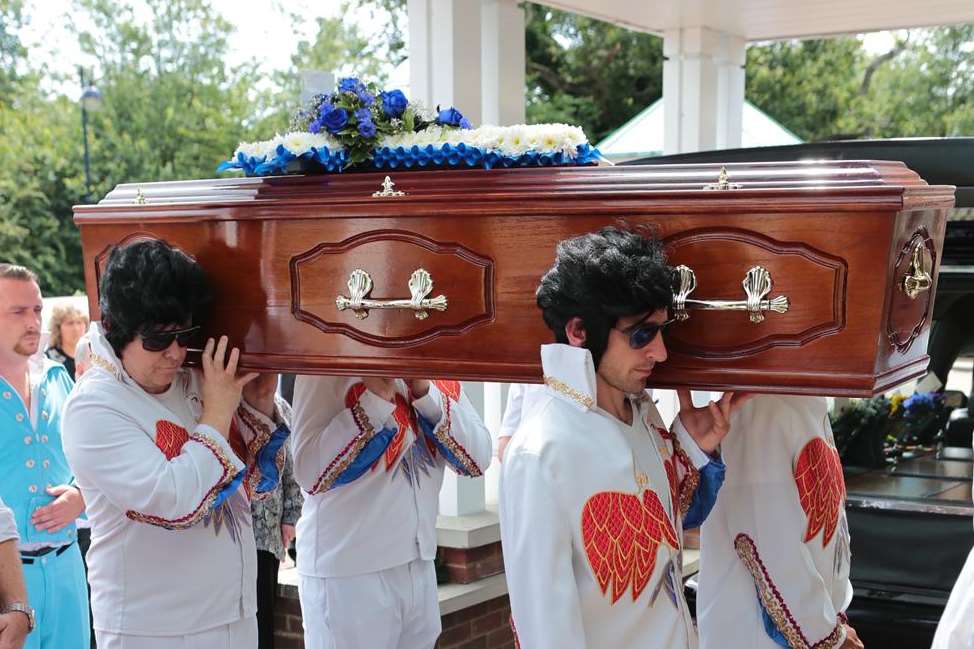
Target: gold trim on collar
point(580, 398)
point(105, 365)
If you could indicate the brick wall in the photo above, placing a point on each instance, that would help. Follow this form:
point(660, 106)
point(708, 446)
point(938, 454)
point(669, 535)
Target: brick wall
point(482, 626)
point(467, 565)
point(288, 632)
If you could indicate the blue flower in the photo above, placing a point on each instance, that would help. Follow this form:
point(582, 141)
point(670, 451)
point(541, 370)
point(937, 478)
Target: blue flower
point(394, 103)
point(465, 123)
point(332, 118)
point(366, 128)
point(450, 117)
point(366, 97)
point(314, 127)
point(363, 115)
point(349, 84)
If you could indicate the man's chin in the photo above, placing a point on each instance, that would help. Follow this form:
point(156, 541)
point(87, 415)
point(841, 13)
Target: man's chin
point(27, 349)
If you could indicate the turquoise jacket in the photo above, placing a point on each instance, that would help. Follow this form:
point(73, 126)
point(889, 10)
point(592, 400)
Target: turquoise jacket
point(32, 459)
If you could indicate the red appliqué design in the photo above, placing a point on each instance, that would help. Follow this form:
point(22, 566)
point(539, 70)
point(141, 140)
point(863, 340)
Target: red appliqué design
point(622, 534)
point(405, 418)
point(403, 415)
point(449, 388)
point(821, 488)
point(170, 438)
point(681, 490)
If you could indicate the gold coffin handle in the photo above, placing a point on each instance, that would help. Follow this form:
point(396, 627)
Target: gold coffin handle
point(757, 284)
point(918, 279)
point(420, 285)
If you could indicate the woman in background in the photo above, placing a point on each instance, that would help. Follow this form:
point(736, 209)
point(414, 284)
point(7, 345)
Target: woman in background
point(67, 326)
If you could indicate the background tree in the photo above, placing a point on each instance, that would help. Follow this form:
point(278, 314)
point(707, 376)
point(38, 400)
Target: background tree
point(587, 72)
point(39, 167)
point(173, 107)
point(808, 86)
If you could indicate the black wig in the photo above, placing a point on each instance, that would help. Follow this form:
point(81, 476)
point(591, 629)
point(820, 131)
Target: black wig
point(148, 285)
point(600, 277)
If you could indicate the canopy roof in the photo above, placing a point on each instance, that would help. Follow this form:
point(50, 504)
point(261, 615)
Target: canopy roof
point(760, 20)
point(643, 134)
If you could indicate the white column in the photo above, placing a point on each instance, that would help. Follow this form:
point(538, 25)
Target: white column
point(444, 54)
point(703, 89)
point(502, 39)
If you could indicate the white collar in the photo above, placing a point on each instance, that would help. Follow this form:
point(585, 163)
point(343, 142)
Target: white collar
point(569, 373)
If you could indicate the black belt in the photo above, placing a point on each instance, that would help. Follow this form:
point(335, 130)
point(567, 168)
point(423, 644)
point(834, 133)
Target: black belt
point(28, 556)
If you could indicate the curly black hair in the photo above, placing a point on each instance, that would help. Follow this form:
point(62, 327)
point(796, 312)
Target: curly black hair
point(147, 285)
point(601, 277)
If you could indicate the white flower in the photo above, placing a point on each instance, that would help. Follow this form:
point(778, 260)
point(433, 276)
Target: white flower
point(299, 142)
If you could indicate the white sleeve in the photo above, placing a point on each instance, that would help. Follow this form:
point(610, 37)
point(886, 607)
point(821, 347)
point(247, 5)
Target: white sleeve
point(8, 528)
point(328, 437)
point(110, 452)
point(457, 430)
point(770, 526)
point(512, 412)
point(537, 540)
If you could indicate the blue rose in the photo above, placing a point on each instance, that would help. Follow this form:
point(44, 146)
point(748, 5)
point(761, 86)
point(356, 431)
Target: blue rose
point(366, 97)
point(394, 103)
point(314, 127)
point(363, 115)
point(465, 123)
point(450, 117)
point(332, 118)
point(349, 84)
point(366, 128)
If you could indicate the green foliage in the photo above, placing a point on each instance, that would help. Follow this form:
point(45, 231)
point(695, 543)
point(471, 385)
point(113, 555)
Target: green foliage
point(587, 72)
point(833, 89)
point(173, 108)
point(41, 168)
point(808, 86)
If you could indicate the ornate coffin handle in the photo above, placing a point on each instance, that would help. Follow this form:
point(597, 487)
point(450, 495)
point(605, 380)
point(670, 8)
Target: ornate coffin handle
point(420, 285)
point(757, 284)
point(918, 279)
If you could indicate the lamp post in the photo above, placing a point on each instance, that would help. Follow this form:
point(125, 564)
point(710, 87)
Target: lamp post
point(90, 101)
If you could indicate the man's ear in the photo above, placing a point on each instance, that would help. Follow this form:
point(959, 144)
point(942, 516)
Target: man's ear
point(575, 331)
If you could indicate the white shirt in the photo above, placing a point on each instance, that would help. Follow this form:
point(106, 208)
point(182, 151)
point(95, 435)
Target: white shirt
point(956, 627)
point(371, 474)
point(519, 402)
point(8, 528)
point(591, 513)
point(778, 536)
point(163, 561)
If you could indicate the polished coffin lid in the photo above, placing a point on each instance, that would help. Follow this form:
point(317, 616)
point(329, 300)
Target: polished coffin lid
point(836, 237)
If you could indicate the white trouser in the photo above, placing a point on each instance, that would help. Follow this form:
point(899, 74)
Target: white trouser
point(956, 628)
point(241, 634)
point(395, 608)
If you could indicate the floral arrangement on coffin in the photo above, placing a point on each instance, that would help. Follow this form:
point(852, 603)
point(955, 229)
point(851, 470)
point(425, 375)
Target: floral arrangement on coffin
point(360, 126)
point(873, 432)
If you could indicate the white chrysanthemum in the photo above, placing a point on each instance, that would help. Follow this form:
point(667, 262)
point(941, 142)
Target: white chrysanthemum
point(251, 149)
point(300, 142)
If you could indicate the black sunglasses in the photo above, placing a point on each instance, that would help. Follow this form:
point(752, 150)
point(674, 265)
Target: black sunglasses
point(160, 340)
point(643, 333)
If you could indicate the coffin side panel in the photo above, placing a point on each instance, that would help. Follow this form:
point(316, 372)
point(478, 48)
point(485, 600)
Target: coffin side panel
point(489, 268)
point(813, 281)
point(462, 280)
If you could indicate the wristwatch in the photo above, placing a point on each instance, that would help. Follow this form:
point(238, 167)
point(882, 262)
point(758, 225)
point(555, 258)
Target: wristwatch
point(20, 607)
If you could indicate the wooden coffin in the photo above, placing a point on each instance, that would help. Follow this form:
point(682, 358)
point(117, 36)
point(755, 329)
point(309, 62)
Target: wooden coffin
point(301, 266)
